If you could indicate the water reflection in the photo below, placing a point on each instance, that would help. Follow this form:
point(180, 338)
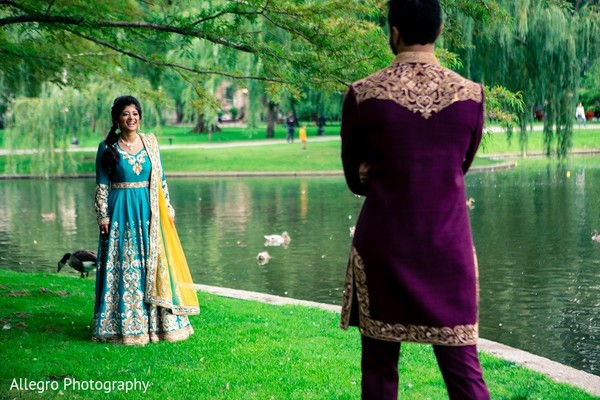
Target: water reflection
point(539, 268)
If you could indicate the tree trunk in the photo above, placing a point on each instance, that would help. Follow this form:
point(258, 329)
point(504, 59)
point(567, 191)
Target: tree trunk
point(271, 118)
point(201, 125)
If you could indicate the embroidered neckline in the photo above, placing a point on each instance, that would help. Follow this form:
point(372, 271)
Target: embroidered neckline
point(135, 160)
point(421, 57)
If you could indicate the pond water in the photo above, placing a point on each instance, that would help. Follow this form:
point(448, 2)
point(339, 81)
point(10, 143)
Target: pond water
point(539, 268)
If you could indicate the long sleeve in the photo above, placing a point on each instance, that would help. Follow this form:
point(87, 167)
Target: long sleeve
point(102, 188)
point(351, 144)
point(476, 138)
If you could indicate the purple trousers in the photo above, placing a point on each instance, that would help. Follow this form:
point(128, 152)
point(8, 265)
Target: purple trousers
point(459, 366)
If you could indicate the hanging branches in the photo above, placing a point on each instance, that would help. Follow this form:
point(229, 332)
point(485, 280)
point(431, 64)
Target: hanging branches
point(539, 55)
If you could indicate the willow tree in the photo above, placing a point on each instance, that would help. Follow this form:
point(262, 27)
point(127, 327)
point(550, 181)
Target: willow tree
point(274, 47)
point(67, 42)
point(539, 54)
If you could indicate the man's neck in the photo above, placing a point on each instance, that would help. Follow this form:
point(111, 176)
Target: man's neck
point(426, 48)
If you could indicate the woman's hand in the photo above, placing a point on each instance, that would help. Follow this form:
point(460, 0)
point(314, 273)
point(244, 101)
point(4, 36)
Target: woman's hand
point(104, 229)
point(363, 172)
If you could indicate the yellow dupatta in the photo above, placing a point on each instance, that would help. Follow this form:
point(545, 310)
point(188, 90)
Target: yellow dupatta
point(175, 281)
point(168, 279)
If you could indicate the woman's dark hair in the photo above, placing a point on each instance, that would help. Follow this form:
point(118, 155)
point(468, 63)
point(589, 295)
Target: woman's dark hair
point(110, 158)
point(418, 21)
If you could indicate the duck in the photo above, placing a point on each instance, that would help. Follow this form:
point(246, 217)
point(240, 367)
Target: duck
point(595, 236)
point(471, 203)
point(263, 257)
point(278, 240)
point(83, 261)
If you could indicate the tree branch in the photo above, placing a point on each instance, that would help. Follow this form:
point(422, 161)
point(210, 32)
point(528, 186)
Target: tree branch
point(48, 19)
point(174, 65)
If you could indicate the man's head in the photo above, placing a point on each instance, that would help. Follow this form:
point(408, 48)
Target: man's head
point(418, 22)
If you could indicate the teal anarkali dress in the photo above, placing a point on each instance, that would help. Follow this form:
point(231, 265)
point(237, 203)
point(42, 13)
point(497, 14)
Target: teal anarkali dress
point(128, 309)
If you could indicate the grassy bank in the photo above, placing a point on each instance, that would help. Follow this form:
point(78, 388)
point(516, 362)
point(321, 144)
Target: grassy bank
point(241, 350)
point(497, 143)
point(319, 156)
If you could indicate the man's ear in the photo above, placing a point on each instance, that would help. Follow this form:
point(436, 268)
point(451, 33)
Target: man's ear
point(395, 36)
point(394, 39)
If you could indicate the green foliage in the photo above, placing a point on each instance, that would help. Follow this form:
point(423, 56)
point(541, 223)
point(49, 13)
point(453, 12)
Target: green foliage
point(184, 49)
point(295, 42)
point(46, 124)
point(503, 106)
point(539, 54)
point(590, 92)
point(289, 54)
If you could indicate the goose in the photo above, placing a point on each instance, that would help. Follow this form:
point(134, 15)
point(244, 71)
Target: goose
point(83, 261)
point(596, 236)
point(277, 240)
point(263, 257)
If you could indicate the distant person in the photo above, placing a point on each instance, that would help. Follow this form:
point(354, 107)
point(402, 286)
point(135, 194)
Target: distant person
point(290, 123)
point(409, 135)
point(74, 141)
point(320, 125)
point(144, 292)
point(580, 115)
point(302, 136)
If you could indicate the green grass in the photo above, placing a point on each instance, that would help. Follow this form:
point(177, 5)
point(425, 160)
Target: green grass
point(282, 157)
point(497, 143)
point(183, 135)
point(240, 350)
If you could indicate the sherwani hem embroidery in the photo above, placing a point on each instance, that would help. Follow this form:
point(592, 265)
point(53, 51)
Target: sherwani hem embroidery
point(460, 335)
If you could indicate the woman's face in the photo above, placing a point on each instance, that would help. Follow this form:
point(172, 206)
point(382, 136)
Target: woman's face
point(129, 119)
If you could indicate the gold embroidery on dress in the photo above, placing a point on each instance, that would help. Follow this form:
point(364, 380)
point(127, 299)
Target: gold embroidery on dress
point(459, 335)
point(129, 185)
point(135, 160)
point(417, 82)
point(134, 325)
point(101, 203)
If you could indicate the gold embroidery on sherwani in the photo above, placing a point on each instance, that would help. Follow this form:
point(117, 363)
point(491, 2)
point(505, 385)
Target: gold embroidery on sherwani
point(418, 83)
point(356, 278)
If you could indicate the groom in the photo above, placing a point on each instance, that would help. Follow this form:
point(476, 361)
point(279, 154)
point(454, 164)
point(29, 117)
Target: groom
point(409, 135)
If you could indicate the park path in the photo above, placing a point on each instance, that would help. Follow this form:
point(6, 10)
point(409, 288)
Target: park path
point(218, 145)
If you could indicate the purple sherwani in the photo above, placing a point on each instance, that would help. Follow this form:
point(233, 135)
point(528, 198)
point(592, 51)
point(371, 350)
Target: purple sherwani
point(412, 273)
